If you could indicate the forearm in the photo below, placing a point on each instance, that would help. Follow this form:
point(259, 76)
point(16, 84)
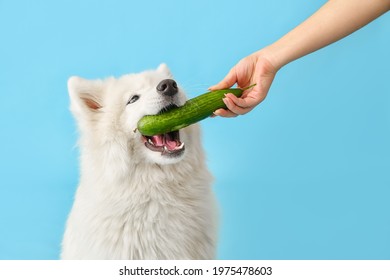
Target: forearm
point(333, 21)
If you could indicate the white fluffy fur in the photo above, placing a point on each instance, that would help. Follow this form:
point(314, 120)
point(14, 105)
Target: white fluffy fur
point(133, 203)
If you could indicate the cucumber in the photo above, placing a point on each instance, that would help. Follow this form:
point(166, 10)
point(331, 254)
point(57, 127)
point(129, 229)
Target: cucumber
point(194, 110)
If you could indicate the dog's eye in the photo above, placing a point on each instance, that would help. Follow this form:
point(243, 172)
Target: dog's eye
point(133, 99)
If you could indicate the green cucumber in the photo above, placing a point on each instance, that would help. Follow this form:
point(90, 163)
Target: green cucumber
point(194, 110)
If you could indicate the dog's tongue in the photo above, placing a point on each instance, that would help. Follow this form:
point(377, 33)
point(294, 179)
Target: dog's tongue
point(171, 145)
point(170, 142)
point(164, 140)
point(158, 140)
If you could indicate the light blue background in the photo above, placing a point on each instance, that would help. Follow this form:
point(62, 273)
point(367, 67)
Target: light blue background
point(306, 175)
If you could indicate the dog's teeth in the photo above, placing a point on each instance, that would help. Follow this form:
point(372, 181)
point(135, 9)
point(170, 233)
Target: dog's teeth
point(165, 149)
point(180, 147)
point(150, 141)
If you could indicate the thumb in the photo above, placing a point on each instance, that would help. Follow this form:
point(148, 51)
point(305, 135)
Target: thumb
point(229, 80)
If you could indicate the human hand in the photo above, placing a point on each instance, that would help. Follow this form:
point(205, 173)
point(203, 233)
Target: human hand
point(253, 69)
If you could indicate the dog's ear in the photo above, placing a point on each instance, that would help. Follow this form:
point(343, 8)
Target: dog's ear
point(85, 93)
point(163, 68)
point(85, 96)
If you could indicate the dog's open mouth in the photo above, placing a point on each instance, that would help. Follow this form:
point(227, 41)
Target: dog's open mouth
point(166, 144)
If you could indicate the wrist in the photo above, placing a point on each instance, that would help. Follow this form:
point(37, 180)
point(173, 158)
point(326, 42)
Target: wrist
point(275, 55)
point(267, 57)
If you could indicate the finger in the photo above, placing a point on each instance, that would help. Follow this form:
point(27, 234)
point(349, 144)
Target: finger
point(229, 80)
point(243, 102)
point(224, 113)
point(233, 107)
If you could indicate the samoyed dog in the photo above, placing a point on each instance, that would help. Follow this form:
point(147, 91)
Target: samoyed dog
point(138, 197)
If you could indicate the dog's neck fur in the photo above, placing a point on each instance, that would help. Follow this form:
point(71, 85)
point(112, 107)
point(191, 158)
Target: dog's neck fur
point(112, 163)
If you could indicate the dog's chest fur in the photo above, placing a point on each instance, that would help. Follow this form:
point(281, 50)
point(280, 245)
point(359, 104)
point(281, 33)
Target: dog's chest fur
point(158, 214)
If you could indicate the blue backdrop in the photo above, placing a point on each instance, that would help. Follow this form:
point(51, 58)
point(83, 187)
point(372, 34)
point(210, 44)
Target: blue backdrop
point(306, 175)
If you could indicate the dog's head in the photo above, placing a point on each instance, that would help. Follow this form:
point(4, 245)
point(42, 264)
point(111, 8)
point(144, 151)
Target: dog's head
point(108, 111)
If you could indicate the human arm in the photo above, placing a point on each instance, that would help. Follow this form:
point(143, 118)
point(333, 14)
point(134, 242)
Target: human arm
point(333, 21)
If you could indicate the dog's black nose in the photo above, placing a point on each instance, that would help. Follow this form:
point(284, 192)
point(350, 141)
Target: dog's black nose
point(167, 87)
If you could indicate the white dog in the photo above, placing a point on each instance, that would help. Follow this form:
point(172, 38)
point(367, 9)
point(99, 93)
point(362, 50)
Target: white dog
point(138, 197)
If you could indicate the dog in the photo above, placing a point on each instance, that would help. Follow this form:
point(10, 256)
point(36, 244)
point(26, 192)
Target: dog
point(138, 197)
